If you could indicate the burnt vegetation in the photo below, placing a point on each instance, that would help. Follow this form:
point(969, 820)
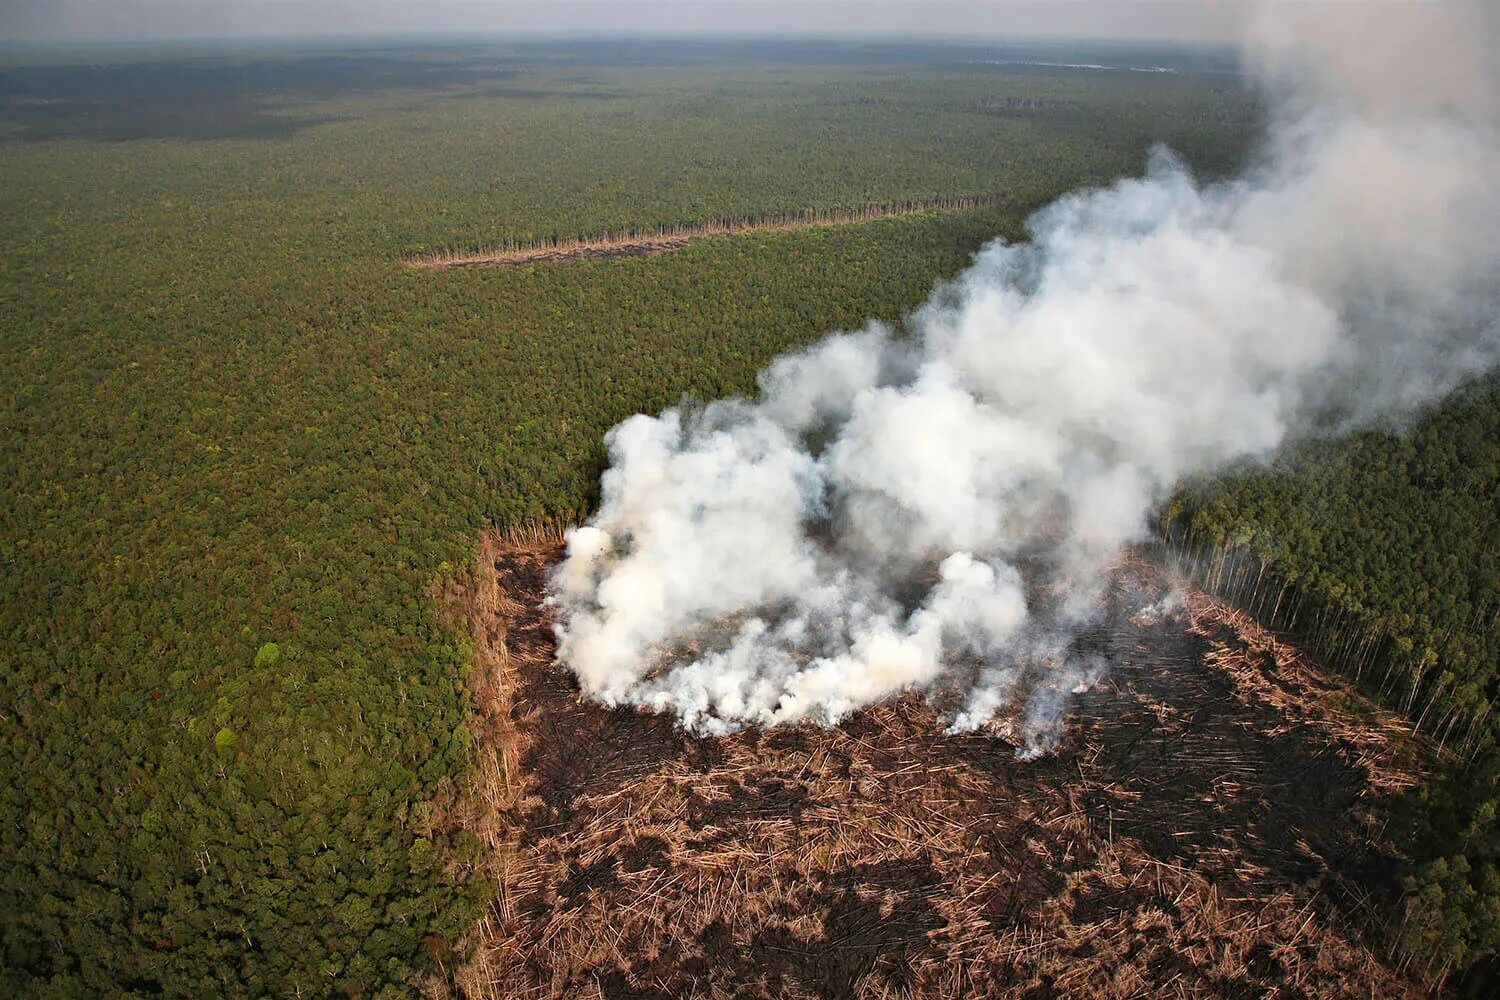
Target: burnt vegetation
point(1212, 826)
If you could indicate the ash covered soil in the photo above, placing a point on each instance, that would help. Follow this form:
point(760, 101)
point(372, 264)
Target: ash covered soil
point(1209, 826)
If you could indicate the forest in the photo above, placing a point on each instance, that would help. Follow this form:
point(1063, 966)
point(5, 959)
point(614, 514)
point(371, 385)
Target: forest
point(246, 443)
point(245, 439)
point(1380, 551)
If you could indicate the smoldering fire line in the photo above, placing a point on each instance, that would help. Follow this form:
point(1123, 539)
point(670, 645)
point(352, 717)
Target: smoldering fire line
point(933, 507)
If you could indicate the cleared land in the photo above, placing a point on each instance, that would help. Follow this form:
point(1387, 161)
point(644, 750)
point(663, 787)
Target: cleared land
point(666, 239)
point(1207, 828)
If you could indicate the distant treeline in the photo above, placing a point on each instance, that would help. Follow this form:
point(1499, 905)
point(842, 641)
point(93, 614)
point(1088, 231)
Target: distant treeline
point(1032, 103)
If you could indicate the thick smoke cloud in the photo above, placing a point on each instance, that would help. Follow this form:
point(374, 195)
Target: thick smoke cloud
point(933, 508)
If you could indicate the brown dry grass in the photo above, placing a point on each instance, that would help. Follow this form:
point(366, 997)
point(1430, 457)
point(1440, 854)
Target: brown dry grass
point(636, 243)
point(1206, 829)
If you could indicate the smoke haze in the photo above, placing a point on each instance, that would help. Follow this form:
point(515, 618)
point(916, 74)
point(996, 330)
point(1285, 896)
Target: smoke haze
point(933, 508)
point(1181, 20)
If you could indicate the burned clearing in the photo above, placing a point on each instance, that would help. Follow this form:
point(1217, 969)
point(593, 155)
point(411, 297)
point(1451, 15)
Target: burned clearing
point(1209, 826)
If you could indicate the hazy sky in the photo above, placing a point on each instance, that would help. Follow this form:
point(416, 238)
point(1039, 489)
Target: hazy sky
point(1197, 20)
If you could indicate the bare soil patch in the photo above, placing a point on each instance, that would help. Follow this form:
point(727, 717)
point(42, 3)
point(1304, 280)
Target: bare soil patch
point(667, 239)
point(1209, 827)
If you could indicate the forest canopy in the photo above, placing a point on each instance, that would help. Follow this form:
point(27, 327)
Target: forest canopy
point(245, 441)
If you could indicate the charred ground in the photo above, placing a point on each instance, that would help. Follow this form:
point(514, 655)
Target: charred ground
point(1209, 826)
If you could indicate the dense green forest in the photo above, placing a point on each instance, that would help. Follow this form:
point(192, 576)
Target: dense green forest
point(244, 439)
point(1380, 550)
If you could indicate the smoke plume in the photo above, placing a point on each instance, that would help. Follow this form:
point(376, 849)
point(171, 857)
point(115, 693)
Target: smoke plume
point(932, 508)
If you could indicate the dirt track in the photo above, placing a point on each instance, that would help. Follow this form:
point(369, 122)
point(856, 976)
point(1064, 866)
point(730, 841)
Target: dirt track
point(665, 240)
point(1206, 829)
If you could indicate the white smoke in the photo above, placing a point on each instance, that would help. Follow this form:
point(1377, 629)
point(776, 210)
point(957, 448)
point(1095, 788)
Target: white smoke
point(933, 508)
